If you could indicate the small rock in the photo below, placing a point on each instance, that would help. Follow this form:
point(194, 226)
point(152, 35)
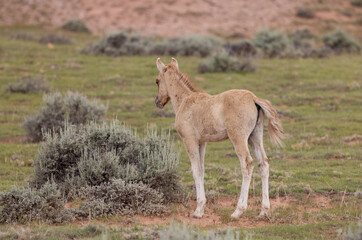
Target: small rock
point(50, 46)
point(308, 189)
point(358, 194)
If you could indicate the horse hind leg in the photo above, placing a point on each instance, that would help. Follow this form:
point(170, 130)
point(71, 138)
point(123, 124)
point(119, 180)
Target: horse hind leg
point(256, 143)
point(247, 166)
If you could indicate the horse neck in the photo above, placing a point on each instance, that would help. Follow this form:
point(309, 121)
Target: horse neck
point(177, 91)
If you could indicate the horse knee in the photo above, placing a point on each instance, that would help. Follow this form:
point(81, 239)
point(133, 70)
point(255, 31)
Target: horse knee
point(264, 168)
point(247, 166)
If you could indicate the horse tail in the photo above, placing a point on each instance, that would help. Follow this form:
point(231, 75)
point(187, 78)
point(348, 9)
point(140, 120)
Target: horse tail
point(275, 128)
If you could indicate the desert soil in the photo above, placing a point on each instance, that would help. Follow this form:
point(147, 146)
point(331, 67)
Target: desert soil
point(218, 213)
point(173, 18)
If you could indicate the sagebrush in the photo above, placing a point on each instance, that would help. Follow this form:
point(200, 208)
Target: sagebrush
point(122, 43)
point(23, 36)
point(107, 167)
point(28, 84)
point(357, 3)
point(28, 204)
point(244, 48)
point(222, 62)
point(93, 154)
point(74, 108)
point(76, 26)
point(118, 44)
point(305, 13)
point(354, 232)
point(182, 232)
point(271, 43)
point(340, 41)
point(194, 45)
point(47, 203)
point(120, 198)
point(55, 39)
point(302, 45)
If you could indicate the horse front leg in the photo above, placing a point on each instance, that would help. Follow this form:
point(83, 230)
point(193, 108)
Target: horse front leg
point(196, 154)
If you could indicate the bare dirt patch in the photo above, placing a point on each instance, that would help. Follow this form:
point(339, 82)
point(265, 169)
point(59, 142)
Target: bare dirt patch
point(168, 18)
point(17, 139)
point(215, 213)
point(353, 140)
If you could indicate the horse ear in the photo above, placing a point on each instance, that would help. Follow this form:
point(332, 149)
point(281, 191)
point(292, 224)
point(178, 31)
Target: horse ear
point(174, 62)
point(160, 65)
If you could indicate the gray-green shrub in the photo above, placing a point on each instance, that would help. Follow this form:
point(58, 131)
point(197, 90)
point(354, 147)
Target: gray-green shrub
point(244, 48)
point(80, 110)
point(305, 13)
point(50, 117)
point(302, 45)
point(222, 62)
point(28, 84)
point(354, 232)
point(182, 232)
point(357, 3)
point(23, 36)
point(118, 44)
point(76, 25)
point(271, 43)
point(55, 39)
point(74, 108)
point(47, 203)
point(194, 45)
point(92, 154)
point(340, 41)
point(120, 198)
point(97, 167)
point(27, 204)
point(107, 167)
point(359, 21)
point(121, 43)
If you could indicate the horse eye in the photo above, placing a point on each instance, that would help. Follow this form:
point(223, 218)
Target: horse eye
point(157, 81)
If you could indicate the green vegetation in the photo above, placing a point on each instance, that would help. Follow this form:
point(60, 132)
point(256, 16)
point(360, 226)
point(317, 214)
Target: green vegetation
point(357, 3)
point(28, 84)
point(340, 41)
point(271, 43)
point(73, 108)
point(54, 39)
point(124, 44)
point(105, 166)
point(194, 45)
point(119, 44)
point(222, 62)
point(305, 13)
point(318, 100)
point(243, 48)
point(76, 26)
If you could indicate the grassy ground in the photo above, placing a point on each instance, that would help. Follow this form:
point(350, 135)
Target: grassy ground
point(320, 104)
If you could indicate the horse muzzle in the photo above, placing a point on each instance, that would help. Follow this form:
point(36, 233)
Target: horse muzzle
point(158, 103)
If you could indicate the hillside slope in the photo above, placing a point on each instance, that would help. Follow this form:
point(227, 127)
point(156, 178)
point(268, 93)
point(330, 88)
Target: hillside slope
point(170, 18)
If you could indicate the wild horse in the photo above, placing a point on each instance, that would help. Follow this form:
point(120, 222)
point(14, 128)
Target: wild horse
point(237, 115)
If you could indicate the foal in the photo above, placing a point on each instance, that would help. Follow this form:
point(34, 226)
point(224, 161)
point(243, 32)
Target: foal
point(237, 115)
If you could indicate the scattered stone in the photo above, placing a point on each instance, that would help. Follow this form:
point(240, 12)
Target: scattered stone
point(358, 194)
point(308, 189)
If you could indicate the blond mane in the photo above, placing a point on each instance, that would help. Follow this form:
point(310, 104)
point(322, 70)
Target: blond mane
point(186, 80)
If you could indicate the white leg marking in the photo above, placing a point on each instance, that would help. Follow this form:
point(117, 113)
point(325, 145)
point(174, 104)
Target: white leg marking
point(197, 167)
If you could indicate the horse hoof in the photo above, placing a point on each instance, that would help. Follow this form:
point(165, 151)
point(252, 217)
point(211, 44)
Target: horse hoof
point(264, 214)
point(197, 215)
point(236, 214)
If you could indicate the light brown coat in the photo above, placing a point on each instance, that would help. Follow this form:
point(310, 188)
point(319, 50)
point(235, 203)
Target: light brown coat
point(237, 115)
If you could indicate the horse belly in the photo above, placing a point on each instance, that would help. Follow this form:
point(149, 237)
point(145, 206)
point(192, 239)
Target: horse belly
point(212, 125)
point(220, 136)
